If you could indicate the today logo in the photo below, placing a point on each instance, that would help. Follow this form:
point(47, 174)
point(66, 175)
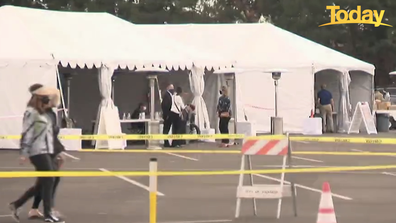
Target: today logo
point(355, 16)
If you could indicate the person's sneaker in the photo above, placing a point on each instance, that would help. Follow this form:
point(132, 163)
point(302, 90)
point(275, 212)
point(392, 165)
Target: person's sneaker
point(52, 218)
point(35, 214)
point(14, 211)
point(56, 213)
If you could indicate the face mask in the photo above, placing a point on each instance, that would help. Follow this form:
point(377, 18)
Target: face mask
point(45, 100)
point(144, 108)
point(220, 92)
point(172, 91)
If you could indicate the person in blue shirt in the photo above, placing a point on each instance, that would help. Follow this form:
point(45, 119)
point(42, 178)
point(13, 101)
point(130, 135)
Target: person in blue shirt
point(326, 106)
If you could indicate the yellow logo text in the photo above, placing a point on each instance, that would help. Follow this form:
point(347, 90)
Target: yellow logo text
point(356, 16)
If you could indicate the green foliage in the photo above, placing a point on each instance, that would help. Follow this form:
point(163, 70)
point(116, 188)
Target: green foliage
point(376, 45)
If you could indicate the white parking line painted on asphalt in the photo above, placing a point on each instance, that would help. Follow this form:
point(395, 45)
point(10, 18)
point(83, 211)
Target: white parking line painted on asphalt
point(303, 142)
point(132, 182)
point(5, 216)
point(307, 159)
point(389, 174)
point(303, 187)
point(71, 156)
point(181, 156)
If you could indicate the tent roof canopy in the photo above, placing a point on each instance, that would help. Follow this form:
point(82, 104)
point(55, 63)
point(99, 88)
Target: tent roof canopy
point(259, 45)
point(92, 39)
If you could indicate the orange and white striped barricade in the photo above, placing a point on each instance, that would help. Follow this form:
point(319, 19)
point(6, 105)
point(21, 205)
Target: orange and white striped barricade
point(271, 145)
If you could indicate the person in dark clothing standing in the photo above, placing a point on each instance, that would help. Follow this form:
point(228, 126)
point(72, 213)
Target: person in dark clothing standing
point(224, 112)
point(57, 158)
point(166, 105)
point(326, 106)
point(37, 144)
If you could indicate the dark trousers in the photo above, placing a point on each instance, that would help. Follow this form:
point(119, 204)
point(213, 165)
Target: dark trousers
point(38, 198)
point(42, 162)
point(176, 129)
point(171, 120)
point(166, 128)
point(223, 127)
point(183, 130)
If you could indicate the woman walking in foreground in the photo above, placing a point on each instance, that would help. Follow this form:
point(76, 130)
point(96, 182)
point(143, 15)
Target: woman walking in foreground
point(57, 159)
point(37, 145)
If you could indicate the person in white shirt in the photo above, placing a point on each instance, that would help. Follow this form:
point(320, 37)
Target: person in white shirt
point(387, 96)
point(176, 111)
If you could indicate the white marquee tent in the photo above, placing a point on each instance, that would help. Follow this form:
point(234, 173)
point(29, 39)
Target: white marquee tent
point(33, 43)
point(89, 39)
point(264, 46)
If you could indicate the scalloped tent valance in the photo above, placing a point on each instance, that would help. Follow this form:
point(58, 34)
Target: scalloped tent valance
point(131, 66)
point(90, 40)
point(259, 45)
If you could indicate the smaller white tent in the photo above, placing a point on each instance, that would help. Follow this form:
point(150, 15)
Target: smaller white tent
point(263, 46)
point(34, 41)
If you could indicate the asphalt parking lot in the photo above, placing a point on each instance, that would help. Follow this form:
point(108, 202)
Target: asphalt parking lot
point(362, 196)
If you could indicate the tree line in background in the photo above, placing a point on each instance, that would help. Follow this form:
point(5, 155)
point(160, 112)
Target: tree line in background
point(376, 45)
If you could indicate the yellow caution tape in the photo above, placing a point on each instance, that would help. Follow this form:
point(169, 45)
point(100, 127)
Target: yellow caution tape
point(157, 137)
point(154, 137)
point(360, 140)
point(345, 140)
point(344, 153)
point(26, 174)
point(10, 137)
point(237, 152)
point(161, 151)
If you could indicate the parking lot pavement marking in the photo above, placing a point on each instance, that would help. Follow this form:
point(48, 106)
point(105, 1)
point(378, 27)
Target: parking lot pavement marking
point(5, 216)
point(181, 156)
point(304, 187)
point(389, 174)
point(307, 159)
point(132, 182)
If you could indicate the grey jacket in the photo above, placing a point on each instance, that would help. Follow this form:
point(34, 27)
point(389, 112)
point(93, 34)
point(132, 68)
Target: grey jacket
point(37, 134)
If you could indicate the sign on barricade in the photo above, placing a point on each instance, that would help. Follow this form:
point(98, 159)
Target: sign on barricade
point(267, 147)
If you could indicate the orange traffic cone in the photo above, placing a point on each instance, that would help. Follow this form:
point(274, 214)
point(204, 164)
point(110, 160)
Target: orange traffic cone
point(326, 212)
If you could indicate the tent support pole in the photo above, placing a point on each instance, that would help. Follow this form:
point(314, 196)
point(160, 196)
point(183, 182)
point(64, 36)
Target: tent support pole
point(313, 89)
point(65, 111)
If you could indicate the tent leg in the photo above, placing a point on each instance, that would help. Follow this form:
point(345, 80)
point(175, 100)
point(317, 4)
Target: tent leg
point(153, 126)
